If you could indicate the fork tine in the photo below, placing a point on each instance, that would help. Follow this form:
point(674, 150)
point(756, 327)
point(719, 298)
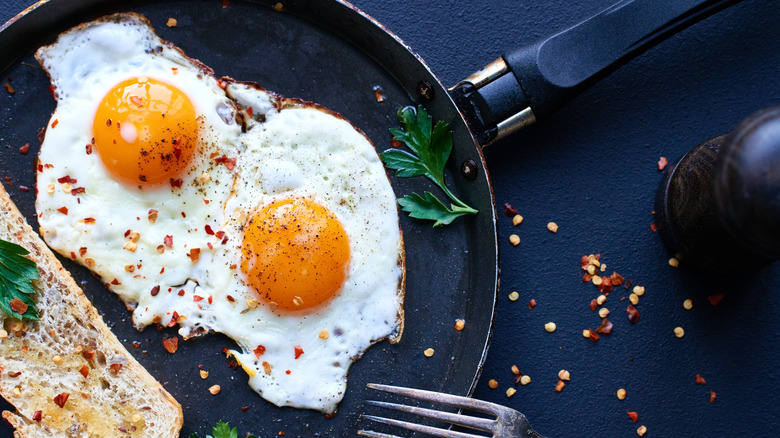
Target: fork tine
point(437, 397)
point(372, 434)
point(433, 431)
point(458, 419)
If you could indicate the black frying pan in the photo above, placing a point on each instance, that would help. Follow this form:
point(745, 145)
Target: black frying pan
point(452, 272)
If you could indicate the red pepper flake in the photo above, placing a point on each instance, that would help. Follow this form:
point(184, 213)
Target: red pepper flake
point(593, 335)
point(250, 111)
point(67, 179)
point(586, 277)
point(82, 251)
point(616, 279)
point(288, 372)
point(61, 398)
point(88, 355)
point(231, 299)
point(712, 396)
point(593, 304)
point(24, 188)
point(632, 313)
point(628, 284)
point(51, 91)
point(9, 88)
point(531, 304)
point(63, 210)
point(37, 416)
point(89, 220)
point(633, 416)
point(194, 254)
point(14, 375)
point(298, 351)
point(653, 227)
point(176, 183)
point(396, 143)
point(137, 100)
point(509, 211)
point(230, 163)
point(662, 162)
point(84, 371)
point(115, 282)
point(181, 292)
point(54, 123)
point(77, 191)
point(127, 233)
point(715, 299)
point(18, 306)
point(155, 290)
point(115, 367)
point(584, 263)
point(605, 327)
point(245, 408)
point(197, 298)
point(700, 380)
point(89, 149)
point(174, 319)
point(559, 386)
point(24, 148)
point(176, 149)
point(208, 229)
point(168, 241)
point(171, 344)
point(73, 255)
point(259, 351)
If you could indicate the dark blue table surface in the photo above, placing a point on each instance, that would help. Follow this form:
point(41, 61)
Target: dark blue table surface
point(591, 168)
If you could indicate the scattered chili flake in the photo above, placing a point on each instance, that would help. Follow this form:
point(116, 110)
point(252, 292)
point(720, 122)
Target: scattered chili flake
point(266, 367)
point(700, 380)
point(37, 416)
point(559, 386)
point(633, 416)
point(259, 351)
point(88, 354)
point(115, 367)
point(168, 241)
point(653, 227)
point(712, 396)
point(67, 179)
point(171, 344)
point(230, 163)
point(208, 230)
point(605, 327)
point(377, 92)
point(61, 398)
point(174, 319)
point(298, 351)
point(77, 191)
point(509, 211)
point(115, 282)
point(662, 162)
point(155, 290)
point(18, 306)
point(225, 3)
point(616, 279)
point(245, 408)
point(52, 92)
point(593, 305)
point(532, 303)
point(395, 143)
point(24, 148)
point(84, 371)
point(593, 335)
point(89, 149)
point(587, 277)
point(181, 292)
point(63, 210)
point(176, 183)
point(9, 88)
point(197, 298)
point(219, 234)
point(715, 299)
point(632, 313)
point(24, 188)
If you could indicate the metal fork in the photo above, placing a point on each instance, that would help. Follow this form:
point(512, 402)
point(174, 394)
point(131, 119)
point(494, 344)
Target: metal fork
point(508, 423)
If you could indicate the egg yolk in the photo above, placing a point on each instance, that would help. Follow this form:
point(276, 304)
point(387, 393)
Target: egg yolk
point(145, 131)
point(295, 254)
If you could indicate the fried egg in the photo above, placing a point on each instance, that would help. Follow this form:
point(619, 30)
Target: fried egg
point(216, 205)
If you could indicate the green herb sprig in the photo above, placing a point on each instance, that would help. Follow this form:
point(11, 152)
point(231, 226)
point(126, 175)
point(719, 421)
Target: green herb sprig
point(16, 272)
point(222, 430)
point(432, 146)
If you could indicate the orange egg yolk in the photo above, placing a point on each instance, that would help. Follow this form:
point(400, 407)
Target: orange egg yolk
point(295, 254)
point(145, 131)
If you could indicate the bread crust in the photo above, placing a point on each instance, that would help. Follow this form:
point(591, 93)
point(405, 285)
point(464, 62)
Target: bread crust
point(41, 359)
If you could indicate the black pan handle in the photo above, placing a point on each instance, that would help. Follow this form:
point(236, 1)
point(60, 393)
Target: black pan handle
point(534, 81)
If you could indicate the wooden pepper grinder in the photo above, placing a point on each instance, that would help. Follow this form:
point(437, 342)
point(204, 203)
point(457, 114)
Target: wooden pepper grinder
point(719, 207)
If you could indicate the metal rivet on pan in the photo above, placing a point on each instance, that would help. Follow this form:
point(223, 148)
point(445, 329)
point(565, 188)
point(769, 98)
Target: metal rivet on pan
point(469, 169)
point(425, 90)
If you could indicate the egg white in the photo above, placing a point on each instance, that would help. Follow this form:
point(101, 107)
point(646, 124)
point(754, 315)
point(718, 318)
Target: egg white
point(290, 149)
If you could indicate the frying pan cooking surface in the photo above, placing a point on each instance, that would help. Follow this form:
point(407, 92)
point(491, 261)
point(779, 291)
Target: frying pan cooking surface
point(451, 272)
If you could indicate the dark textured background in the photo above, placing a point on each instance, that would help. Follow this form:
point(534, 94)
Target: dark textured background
point(591, 168)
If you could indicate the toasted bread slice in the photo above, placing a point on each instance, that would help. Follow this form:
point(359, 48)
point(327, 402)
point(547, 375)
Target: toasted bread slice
point(72, 351)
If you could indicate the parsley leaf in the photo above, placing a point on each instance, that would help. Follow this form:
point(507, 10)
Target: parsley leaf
point(223, 430)
point(16, 272)
point(432, 145)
